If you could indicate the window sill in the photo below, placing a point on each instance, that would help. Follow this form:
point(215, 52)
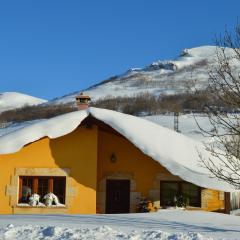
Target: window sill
point(181, 208)
point(41, 206)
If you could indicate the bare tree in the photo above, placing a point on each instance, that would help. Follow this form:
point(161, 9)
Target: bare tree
point(224, 113)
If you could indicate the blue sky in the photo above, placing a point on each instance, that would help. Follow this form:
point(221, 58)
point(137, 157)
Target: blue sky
point(49, 48)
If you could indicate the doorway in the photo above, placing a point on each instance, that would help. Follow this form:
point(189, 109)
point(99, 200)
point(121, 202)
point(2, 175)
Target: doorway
point(117, 196)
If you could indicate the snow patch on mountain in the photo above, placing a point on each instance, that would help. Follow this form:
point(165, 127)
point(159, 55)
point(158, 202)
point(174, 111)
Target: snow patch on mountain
point(12, 100)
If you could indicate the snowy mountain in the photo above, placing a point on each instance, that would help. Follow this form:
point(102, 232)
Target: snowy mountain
point(12, 100)
point(188, 71)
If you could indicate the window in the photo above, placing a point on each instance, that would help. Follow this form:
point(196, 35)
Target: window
point(29, 185)
point(170, 191)
point(192, 193)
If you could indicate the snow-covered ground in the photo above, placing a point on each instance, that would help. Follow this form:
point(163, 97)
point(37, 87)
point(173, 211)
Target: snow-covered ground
point(165, 224)
point(12, 100)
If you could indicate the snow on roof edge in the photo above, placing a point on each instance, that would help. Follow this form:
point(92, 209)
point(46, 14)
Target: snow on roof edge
point(172, 151)
point(53, 128)
point(176, 152)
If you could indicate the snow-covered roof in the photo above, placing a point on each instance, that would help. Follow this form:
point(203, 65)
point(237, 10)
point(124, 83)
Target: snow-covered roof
point(176, 152)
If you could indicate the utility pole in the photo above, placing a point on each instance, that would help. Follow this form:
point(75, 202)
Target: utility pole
point(176, 121)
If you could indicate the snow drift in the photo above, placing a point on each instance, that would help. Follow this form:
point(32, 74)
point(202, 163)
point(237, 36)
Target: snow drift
point(98, 233)
point(162, 225)
point(176, 152)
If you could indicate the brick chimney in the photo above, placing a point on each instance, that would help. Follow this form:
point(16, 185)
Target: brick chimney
point(82, 101)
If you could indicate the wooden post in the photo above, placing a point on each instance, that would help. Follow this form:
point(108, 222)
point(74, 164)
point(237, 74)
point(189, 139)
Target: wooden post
point(20, 190)
point(35, 185)
point(227, 202)
point(50, 185)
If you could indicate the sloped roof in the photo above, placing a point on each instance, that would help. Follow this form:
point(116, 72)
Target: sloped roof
point(176, 152)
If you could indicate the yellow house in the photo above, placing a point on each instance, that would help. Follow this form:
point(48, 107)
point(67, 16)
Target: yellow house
point(102, 161)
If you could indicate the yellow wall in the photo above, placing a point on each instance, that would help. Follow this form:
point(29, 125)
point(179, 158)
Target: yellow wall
point(212, 200)
point(129, 160)
point(76, 151)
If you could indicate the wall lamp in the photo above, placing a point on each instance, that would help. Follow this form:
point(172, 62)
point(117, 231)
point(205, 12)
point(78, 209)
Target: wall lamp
point(113, 158)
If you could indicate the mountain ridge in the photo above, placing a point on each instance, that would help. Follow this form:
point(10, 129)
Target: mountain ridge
point(188, 70)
